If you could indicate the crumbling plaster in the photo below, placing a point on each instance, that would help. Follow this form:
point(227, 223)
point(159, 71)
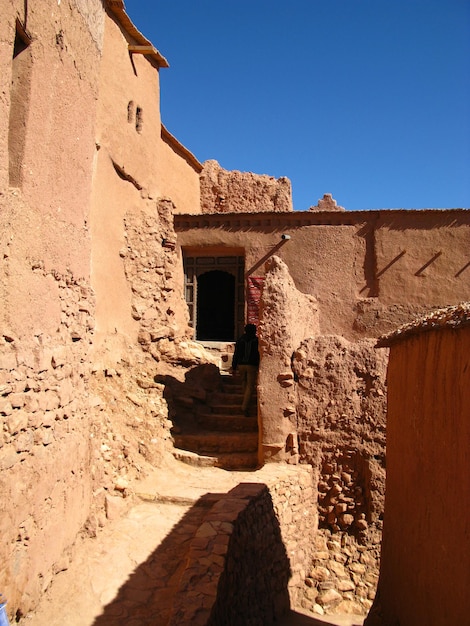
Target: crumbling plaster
point(134, 168)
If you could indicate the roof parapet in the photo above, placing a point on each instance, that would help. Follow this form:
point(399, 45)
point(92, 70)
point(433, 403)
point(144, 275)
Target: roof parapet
point(180, 149)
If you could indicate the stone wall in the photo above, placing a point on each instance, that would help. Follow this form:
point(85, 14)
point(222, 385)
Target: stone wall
point(45, 453)
point(154, 274)
point(47, 317)
point(225, 191)
point(249, 558)
point(341, 415)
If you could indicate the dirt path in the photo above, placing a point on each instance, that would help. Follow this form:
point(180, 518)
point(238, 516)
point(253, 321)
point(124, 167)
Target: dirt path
point(125, 575)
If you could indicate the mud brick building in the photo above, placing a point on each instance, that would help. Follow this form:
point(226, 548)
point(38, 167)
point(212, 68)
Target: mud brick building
point(127, 270)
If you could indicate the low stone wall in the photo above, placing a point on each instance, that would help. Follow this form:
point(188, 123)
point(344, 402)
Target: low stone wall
point(248, 560)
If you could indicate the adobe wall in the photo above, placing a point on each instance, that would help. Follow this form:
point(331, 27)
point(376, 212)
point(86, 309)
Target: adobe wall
point(370, 271)
point(136, 164)
point(341, 417)
point(125, 154)
point(47, 313)
point(322, 387)
point(225, 191)
point(92, 287)
point(178, 175)
point(286, 318)
point(424, 573)
point(322, 402)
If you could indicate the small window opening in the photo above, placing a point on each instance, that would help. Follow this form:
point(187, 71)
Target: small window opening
point(130, 111)
point(138, 119)
point(22, 39)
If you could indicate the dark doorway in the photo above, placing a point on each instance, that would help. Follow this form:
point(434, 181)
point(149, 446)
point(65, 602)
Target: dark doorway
point(215, 306)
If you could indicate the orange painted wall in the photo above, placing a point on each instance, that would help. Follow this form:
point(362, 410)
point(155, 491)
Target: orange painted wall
point(425, 574)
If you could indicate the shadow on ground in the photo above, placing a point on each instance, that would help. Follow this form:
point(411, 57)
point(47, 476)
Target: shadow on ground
point(178, 582)
point(146, 597)
point(300, 619)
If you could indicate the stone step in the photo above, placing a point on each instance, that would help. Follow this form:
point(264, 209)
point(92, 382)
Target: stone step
point(210, 442)
point(228, 422)
point(227, 461)
point(227, 409)
point(226, 397)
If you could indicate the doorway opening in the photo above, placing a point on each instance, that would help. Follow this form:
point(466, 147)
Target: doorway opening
point(215, 295)
point(215, 306)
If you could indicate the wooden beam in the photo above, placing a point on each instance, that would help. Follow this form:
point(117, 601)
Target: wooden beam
point(142, 49)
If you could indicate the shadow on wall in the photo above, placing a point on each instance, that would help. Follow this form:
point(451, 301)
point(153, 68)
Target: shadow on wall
point(253, 587)
point(185, 397)
point(223, 563)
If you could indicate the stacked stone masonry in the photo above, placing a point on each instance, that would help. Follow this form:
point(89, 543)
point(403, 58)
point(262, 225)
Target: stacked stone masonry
point(250, 556)
point(154, 273)
point(45, 434)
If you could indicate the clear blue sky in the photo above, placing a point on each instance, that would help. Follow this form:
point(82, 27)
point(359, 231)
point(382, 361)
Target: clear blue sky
point(366, 99)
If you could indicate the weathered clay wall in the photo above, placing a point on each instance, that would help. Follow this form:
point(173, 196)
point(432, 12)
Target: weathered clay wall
point(334, 390)
point(286, 317)
point(126, 151)
point(340, 404)
point(47, 313)
point(341, 398)
point(350, 261)
point(136, 164)
point(418, 264)
point(47, 133)
point(225, 191)
point(424, 575)
point(128, 123)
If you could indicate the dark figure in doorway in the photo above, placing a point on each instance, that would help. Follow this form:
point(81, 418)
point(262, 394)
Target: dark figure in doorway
point(246, 362)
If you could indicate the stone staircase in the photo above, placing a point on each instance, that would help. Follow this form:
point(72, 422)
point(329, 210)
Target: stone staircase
point(219, 434)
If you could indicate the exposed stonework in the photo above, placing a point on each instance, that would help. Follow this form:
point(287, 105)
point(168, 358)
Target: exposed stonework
point(93, 315)
point(151, 267)
point(341, 428)
point(327, 203)
point(44, 448)
point(242, 192)
point(344, 575)
point(153, 271)
point(248, 560)
point(341, 396)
